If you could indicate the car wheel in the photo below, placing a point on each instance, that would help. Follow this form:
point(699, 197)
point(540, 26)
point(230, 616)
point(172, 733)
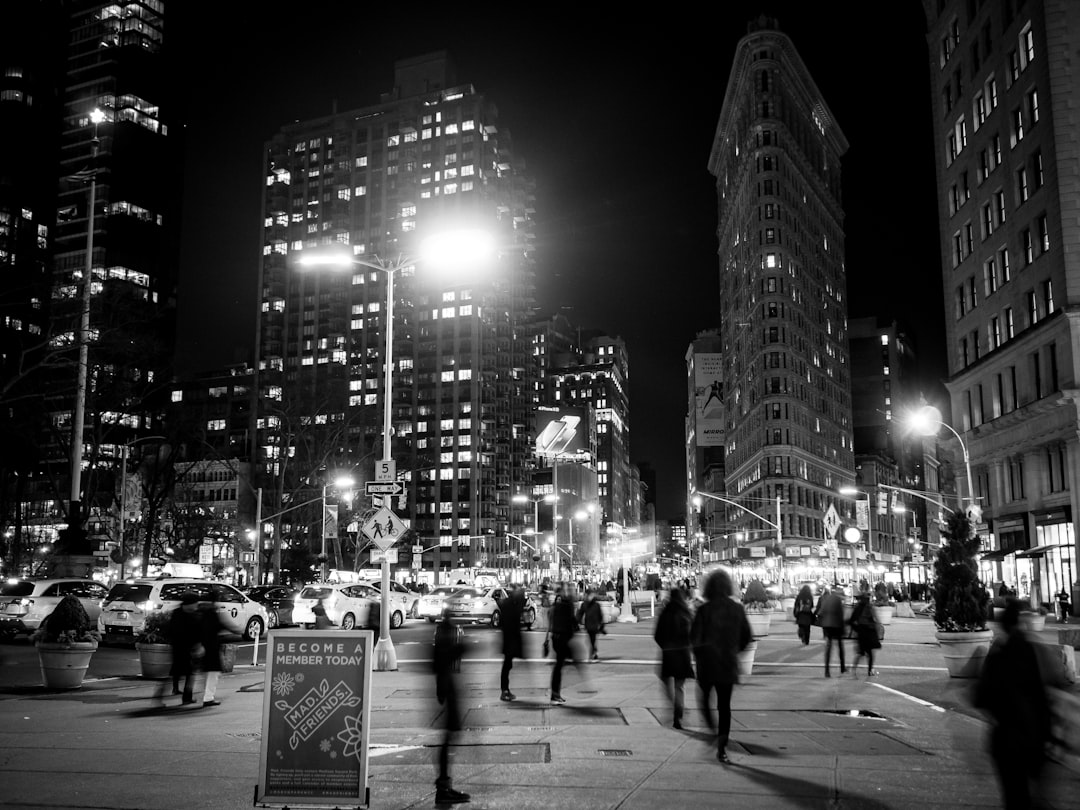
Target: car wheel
point(272, 620)
point(348, 622)
point(496, 618)
point(530, 618)
point(254, 626)
point(396, 620)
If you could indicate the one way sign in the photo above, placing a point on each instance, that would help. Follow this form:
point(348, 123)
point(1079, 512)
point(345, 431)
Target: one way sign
point(393, 488)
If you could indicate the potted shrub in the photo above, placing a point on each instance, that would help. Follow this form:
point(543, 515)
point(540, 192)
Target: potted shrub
point(755, 601)
point(155, 646)
point(65, 642)
point(960, 600)
point(884, 608)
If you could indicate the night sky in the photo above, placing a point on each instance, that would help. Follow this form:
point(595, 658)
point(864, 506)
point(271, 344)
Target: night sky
point(614, 116)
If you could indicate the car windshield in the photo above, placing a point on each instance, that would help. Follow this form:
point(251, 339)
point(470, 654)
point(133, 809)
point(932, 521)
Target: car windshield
point(18, 588)
point(314, 592)
point(128, 592)
point(259, 592)
point(444, 590)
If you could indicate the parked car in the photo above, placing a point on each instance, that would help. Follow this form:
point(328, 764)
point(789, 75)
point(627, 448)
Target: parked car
point(278, 602)
point(409, 599)
point(400, 603)
point(482, 605)
point(128, 603)
point(24, 603)
point(430, 605)
point(347, 604)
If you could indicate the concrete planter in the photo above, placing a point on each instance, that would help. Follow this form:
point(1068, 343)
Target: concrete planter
point(759, 623)
point(63, 666)
point(883, 614)
point(155, 660)
point(746, 660)
point(965, 652)
point(1035, 622)
point(787, 605)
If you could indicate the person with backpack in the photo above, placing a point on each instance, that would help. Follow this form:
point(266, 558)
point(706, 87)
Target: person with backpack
point(864, 624)
point(804, 613)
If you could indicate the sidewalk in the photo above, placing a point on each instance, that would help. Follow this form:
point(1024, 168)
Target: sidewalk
point(799, 741)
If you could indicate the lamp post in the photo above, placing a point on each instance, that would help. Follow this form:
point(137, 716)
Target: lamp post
point(79, 416)
point(926, 422)
point(341, 482)
point(456, 245)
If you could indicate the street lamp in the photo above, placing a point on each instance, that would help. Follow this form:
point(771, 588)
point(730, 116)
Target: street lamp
point(454, 246)
point(926, 422)
point(852, 492)
point(79, 415)
point(341, 482)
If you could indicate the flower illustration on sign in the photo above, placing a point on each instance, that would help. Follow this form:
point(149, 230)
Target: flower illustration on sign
point(352, 737)
point(283, 684)
point(324, 745)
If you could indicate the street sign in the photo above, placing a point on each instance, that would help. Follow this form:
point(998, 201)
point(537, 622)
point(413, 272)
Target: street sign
point(385, 470)
point(832, 521)
point(417, 549)
point(383, 528)
point(390, 555)
point(384, 488)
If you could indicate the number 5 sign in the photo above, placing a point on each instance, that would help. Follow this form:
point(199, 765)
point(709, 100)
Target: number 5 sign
point(385, 470)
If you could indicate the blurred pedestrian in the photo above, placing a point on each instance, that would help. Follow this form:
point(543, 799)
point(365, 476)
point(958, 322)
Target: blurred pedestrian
point(673, 635)
point(185, 637)
point(1011, 690)
point(449, 649)
point(375, 616)
point(322, 621)
point(804, 613)
point(510, 612)
point(212, 633)
point(719, 633)
point(829, 613)
point(591, 616)
point(563, 626)
point(864, 624)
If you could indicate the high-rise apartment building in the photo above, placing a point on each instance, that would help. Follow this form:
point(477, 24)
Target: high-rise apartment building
point(376, 181)
point(1006, 107)
point(785, 374)
point(112, 238)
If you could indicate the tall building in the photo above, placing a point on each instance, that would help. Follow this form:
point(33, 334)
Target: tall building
point(704, 436)
point(1006, 107)
point(376, 181)
point(783, 317)
point(111, 234)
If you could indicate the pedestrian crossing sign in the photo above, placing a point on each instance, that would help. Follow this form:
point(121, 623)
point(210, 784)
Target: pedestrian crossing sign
point(383, 528)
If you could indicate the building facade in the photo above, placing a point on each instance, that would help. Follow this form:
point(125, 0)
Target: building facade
point(785, 373)
point(376, 181)
point(1005, 102)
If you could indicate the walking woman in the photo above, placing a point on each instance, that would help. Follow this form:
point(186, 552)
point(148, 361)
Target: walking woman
point(804, 613)
point(866, 634)
point(673, 635)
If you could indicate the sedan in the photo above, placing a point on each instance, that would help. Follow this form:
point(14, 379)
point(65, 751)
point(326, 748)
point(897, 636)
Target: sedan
point(278, 601)
point(482, 605)
point(430, 605)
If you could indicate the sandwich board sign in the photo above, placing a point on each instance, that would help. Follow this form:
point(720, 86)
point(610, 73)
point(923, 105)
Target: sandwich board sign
point(316, 719)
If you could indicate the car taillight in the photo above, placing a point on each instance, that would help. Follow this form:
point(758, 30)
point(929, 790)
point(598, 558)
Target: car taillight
point(146, 607)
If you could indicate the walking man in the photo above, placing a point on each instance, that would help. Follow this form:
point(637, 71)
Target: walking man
point(211, 662)
point(830, 615)
point(720, 631)
point(591, 616)
point(563, 626)
point(510, 621)
point(448, 652)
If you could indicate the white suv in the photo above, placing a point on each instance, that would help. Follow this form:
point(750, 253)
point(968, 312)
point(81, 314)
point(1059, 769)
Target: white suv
point(24, 603)
point(347, 604)
point(124, 613)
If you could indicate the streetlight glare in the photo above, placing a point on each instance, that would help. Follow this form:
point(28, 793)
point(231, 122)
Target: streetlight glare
point(926, 420)
point(848, 491)
point(336, 259)
point(344, 482)
point(96, 116)
point(457, 247)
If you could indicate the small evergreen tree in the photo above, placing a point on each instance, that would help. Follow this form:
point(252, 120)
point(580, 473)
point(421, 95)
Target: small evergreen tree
point(960, 598)
point(755, 597)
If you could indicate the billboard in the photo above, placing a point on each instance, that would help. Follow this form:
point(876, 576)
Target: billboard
point(561, 433)
point(709, 399)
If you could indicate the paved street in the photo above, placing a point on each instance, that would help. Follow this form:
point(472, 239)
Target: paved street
point(905, 739)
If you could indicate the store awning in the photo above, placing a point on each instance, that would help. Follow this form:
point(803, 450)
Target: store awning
point(1037, 551)
point(995, 556)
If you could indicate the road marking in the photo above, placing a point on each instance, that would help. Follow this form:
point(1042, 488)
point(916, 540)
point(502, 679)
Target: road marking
point(912, 698)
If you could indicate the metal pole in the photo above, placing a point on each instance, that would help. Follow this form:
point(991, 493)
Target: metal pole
point(324, 572)
point(555, 515)
point(123, 502)
point(385, 656)
point(257, 568)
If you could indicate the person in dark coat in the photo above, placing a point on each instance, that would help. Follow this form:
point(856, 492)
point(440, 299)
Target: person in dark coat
point(563, 626)
point(830, 615)
point(449, 649)
point(1011, 691)
point(673, 635)
point(804, 613)
point(510, 611)
point(212, 632)
point(185, 636)
point(866, 634)
point(591, 616)
point(719, 633)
